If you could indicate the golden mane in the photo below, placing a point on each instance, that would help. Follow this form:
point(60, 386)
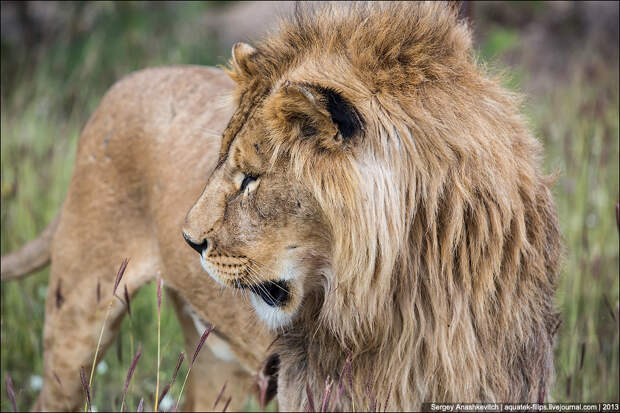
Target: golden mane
point(445, 238)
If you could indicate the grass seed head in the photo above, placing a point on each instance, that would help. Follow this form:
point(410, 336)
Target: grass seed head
point(127, 300)
point(10, 391)
point(203, 338)
point(85, 387)
point(119, 274)
point(132, 368)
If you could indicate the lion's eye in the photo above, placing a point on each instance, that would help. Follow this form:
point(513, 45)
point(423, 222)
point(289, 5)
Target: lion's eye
point(247, 180)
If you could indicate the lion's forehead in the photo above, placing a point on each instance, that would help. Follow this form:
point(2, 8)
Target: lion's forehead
point(250, 101)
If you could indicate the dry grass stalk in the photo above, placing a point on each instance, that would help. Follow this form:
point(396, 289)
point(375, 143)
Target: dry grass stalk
point(57, 378)
point(128, 303)
point(227, 403)
point(86, 388)
point(342, 378)
point(159, 285)
point(132, 367)
point(219, 396)
point(127, 300)
point(310, 398)
point(328, 389)
point(10, 391)
point(140, 405)
point(168, 386)
point(119, 276)
point(203, 338)
point(387, 399)
point(60, 299)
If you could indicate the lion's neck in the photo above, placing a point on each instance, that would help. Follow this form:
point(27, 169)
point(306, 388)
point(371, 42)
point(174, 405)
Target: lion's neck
point(312, 355)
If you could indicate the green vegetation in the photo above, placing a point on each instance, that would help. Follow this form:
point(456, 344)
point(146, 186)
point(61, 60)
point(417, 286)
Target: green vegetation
point(46, 99)
point(580, 126)
point(47, 95)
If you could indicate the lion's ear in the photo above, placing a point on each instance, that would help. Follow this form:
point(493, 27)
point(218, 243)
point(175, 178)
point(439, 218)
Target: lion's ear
point(241, 65)
point(306, 110)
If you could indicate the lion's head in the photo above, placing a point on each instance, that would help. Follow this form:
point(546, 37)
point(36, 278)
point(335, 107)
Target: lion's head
point(373, 173)
point(315, 180)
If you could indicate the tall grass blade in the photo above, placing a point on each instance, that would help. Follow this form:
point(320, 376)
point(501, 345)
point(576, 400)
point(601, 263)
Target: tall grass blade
point(10, 391)
point(57, 378)
point(203, 338)
point(127, 300)
point(159, 285)
point(541, 393)
point(387, 399)
point(371, 397)
point(219, 396)
point(310, 397)
point(86, 388)
point(140, 405)
point(227, 403)
point(328, 389)
point(119, 276)
point(160, 282)
point(201, 342)
point(168, 386)
point(132, 367)
point(60, 299)
point(164, 391)
point(342, 378)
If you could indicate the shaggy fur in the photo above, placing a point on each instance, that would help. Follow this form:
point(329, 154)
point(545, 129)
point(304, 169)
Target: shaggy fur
point(441, 245)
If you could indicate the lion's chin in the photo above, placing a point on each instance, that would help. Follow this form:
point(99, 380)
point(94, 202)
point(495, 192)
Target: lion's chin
point(271, 300)
point(274, 317)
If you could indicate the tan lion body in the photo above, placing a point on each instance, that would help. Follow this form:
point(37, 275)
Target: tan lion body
point(375, 194)
point(141, 161)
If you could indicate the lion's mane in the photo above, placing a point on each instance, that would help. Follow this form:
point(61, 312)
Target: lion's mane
point(445, 237)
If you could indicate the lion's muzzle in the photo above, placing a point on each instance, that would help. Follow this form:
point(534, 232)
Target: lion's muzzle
point(198, 247)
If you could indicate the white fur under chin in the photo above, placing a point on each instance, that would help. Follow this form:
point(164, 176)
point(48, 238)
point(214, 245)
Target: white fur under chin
point(272, 316)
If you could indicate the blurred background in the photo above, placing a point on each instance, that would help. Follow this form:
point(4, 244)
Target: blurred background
point(59, 58)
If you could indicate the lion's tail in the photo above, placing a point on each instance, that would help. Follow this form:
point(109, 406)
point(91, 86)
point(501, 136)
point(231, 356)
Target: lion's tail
point(33, 256)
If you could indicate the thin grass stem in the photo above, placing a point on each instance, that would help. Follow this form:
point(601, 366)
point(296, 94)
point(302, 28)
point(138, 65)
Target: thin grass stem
point(201, 342)
point(119, 276)
point(159, 284)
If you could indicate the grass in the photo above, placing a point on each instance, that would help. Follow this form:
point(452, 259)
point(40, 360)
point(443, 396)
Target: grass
point(581, 128)
point(47, 96)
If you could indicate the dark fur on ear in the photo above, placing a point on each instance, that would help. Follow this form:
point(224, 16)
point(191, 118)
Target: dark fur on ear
point(309, 110)
point(342, 112)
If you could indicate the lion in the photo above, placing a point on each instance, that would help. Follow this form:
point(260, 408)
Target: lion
point(131, 187)
point(375, 194)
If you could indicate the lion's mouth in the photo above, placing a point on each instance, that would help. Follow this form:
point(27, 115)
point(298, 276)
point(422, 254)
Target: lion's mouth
point(273, 293)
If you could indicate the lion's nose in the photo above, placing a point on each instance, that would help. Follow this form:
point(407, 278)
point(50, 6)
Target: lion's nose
point(198, 247)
